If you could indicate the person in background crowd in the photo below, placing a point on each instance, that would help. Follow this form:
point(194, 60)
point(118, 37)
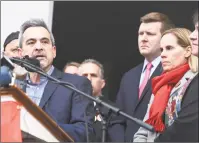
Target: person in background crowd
point(173, 117)
point(94, 71)
point(11, 45)
point(194, 34)
point(189, 133)
point(11, 49)
point(71, 67)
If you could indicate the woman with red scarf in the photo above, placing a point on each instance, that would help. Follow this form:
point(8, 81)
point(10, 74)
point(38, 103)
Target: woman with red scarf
point(180, 66)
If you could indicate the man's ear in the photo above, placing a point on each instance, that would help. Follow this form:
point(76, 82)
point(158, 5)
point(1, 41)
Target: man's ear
point(103, 84)
point(54, 51)
point(20, 52)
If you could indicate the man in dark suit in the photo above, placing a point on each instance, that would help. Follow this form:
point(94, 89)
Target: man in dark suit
point(63, 105)
point(94, 71)
point(135, 88)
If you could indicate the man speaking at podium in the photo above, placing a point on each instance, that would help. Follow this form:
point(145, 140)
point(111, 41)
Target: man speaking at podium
point(63, 105)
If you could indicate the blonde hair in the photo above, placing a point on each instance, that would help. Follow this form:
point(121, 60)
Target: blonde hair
point(182, 35)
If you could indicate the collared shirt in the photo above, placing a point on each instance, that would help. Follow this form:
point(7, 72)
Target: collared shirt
point(35, 91)
point(155, 64)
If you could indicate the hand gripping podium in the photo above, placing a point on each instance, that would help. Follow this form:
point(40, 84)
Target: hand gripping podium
point(33, 120)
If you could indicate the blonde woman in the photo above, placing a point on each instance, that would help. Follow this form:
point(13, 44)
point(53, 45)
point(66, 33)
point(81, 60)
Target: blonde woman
point(167, 111)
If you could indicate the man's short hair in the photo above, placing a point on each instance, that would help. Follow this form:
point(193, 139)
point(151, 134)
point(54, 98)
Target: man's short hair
point(12, 36)
point(158, 17)
point(195, 16)
point(93, 61)
point(75, 64)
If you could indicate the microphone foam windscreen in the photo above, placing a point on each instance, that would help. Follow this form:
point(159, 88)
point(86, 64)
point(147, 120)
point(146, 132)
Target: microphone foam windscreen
point(5, 76)
point(33, 61)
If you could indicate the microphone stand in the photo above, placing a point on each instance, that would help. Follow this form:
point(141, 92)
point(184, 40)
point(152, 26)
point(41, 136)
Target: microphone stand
point(111, 108)
point(104, 122)
point(104, 129)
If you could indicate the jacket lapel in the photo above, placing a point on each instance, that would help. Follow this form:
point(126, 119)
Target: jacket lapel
point(157, 72)
point(133, 86)
point(50, 88)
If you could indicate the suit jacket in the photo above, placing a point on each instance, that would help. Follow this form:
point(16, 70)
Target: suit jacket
point(127, 101)
point(181, 123)
point(67, 107)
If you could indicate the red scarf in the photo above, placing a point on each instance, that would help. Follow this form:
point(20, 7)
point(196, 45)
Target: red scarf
point(161, 88)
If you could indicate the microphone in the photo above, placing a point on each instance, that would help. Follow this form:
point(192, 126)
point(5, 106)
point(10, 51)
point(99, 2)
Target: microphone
point(33, 61)
point(5, 73)
point(33, 65)
point(5, 76)
point(30, 64)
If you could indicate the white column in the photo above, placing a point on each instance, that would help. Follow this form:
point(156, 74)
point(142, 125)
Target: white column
point(14, 13)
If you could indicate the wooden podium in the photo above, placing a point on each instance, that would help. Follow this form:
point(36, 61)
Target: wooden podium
point(44, 123)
